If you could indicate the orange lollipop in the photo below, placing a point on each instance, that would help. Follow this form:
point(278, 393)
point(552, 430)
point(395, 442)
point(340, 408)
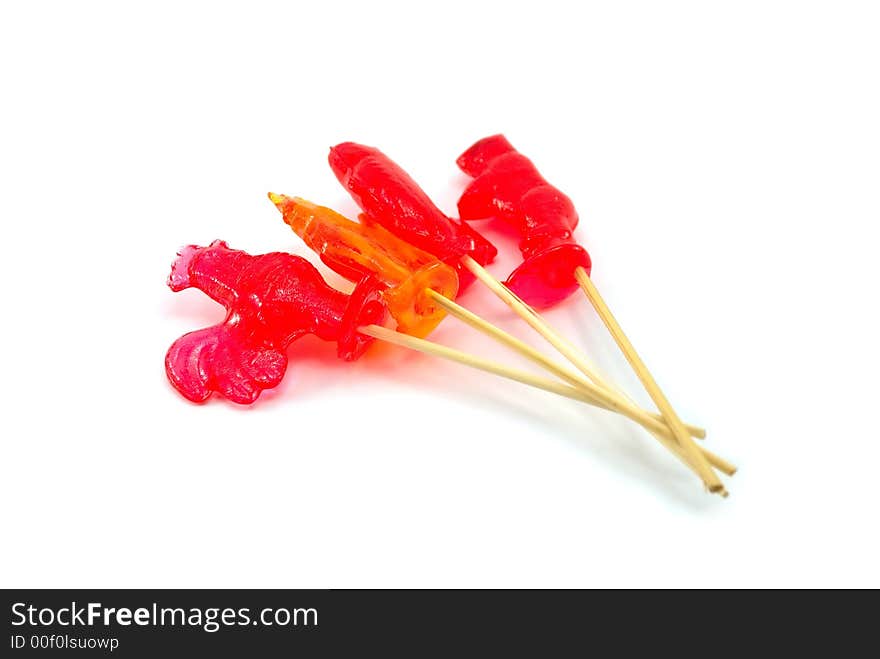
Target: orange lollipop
point(355, 249)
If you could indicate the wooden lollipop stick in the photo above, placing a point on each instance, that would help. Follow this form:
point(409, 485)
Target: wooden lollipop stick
point(429, 347)
point(623, 342)
point(527, 351)
point(576, 379)
point(701, 465)
point(537, 323)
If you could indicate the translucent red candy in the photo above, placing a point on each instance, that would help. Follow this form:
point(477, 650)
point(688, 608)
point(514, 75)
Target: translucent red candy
point(389, 197)
point(508, 186)
point(271, 300)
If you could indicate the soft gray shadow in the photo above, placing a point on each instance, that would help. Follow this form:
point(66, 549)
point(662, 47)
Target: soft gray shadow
point(613, 439)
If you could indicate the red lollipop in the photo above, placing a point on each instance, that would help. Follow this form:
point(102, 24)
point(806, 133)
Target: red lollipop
point(391, 198)
point(508, 186)
point(271, 300)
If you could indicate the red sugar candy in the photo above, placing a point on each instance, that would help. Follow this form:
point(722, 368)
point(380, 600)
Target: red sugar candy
point(271, 300)
point(508, 186)
point(391, 198)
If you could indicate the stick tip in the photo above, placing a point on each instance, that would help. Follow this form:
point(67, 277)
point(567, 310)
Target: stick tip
point(719, 489)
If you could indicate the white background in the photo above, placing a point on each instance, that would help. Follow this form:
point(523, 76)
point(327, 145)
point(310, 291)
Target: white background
point(725, 160)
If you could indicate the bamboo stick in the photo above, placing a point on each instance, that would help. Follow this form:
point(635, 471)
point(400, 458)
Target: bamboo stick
point(669, 414)
point(536, 322)
point(527, 351)
point(524, 377)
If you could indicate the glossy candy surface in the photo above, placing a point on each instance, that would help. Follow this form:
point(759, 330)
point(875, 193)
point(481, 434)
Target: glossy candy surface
point(389, 197)
point(508, 186)
point(358, 250)
point(271, 300)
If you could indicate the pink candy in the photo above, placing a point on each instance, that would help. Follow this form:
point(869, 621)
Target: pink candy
point(271, 300)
